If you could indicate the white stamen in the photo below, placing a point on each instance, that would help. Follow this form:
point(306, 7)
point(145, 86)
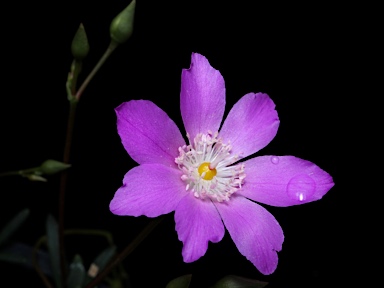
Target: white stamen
point(208, 148)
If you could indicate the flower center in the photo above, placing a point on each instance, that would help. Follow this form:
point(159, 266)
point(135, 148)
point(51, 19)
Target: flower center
point(206, 172)
point(207, 167)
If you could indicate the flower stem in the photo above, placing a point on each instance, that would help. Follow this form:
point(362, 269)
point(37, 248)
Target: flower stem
point(9, 173)
point(35, 262)
point(120, 257)
point(112, 46)
point(19, 172)
point(76, 68)
point(73, 100)
point(63, 184)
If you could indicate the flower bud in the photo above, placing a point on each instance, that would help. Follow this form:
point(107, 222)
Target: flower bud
point(122, 25)
point(80, 45)
point(50, 167)
point(34, 177)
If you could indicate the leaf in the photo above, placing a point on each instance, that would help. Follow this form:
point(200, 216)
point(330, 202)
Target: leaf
point(13, 225)
point(180, 282)
point(103, 258)
point(20, 253)
point(53, 248)
point(100, 262)
point(13, 257)
point(232, 281)
point(76, 273)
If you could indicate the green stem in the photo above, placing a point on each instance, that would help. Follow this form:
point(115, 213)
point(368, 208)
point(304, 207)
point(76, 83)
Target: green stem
point(120, 257)
point(19, 172)
point(112, 46)
point(10, 173)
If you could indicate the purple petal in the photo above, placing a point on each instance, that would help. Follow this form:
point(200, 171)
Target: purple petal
point(255, 231)
point(284, 181)
point(202, 97)
point(197, 222)
point(147, 133)
point(251, 124)
point(150, 190)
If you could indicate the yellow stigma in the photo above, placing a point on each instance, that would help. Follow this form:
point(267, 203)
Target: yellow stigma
point(209, 173)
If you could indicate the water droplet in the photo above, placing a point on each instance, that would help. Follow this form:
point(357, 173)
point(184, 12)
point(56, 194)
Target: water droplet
point(301, 187)
point(275, 159)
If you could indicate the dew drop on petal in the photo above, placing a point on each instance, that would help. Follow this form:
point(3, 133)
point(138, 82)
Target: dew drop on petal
point(301, 187)
point(275, 159)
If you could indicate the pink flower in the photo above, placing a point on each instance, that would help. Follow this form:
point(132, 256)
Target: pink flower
point(205, 182)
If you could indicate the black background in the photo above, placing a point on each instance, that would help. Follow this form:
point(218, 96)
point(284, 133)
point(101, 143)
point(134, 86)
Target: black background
point(295, 57)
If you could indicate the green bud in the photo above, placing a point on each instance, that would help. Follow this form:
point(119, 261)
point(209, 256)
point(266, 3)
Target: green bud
point(52, 167)
point(80, 45)
point(122, 26)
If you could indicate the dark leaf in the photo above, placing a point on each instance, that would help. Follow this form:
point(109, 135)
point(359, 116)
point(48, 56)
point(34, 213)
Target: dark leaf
point(53, 248)
point(76, 273)
point(100, 262)
point(13, 225)
point(232, 281)
point(20, 253)
point(180, 282)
